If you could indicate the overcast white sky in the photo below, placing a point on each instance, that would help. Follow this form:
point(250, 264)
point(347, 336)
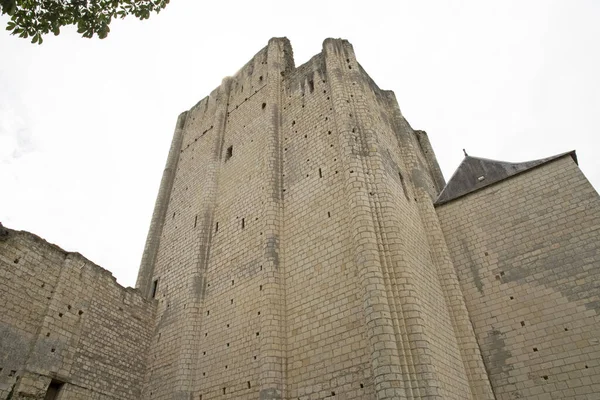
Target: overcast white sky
point(85, 125)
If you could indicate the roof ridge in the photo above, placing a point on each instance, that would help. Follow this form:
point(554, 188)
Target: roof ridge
point(474, 173)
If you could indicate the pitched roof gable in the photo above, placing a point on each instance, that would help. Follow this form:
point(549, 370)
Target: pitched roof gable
point(475, 173)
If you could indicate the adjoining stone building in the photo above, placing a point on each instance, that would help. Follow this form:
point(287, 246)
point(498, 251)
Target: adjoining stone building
point(305, 245)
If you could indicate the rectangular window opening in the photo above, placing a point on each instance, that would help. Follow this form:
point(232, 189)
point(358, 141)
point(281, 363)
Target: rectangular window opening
point(243, 223)
point(320, 173)
point(216, 227)
point(229, 153)
point(154, 287)
point(53, 390)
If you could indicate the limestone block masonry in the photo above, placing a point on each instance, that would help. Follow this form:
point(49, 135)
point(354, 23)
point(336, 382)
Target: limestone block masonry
point(305, 245)
point(66, 324)
point(527, 252)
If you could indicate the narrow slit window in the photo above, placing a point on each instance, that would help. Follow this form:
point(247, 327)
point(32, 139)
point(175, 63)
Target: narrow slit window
point(217, 227)
point(320, 173)
point(229, 153)
point(243, 223)
point(154, 288)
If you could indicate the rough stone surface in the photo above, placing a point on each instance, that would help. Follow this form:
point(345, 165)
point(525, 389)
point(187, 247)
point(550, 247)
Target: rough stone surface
point(527, 252)
point(302, 200)
point(296, 252)
point(64, 318)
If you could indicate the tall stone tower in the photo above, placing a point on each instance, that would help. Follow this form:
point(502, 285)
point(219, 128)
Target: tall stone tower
point(304, 245)
point(294, 248)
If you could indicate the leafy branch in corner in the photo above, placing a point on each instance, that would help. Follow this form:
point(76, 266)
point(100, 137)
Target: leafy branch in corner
point(34, 18)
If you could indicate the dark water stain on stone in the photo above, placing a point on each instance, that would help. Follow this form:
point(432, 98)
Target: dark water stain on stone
point(497, 353)
point(270, 394)
point(199, 285)
point(419, 178)
point(272, 251)
point(548, 264)
point(472, 266)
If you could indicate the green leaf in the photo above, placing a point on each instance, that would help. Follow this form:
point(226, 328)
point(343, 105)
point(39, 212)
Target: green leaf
point(8, 6)
point(103, 32)
point(35, 18)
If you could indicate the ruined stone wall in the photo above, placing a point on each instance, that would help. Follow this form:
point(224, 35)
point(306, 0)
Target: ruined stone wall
point(232, 300)
point(373, 310)
point(327, 351)
point(66, 319)
point(219, 328)
point(176, 281)
point(404, 178)
point(295, 253)
point(293, 259)
point(527, 253)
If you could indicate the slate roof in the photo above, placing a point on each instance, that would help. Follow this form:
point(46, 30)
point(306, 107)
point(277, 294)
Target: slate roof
point(475, 173)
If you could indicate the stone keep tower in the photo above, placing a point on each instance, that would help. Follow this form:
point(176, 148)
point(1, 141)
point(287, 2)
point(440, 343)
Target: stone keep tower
point(304, 245)
point(294, 249)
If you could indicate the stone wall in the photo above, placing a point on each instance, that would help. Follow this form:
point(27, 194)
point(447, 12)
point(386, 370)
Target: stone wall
point(327, 347)
point(65, 319)
point(295, 253)
point(527, 253)
point(219, 329)
point(291, 245)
